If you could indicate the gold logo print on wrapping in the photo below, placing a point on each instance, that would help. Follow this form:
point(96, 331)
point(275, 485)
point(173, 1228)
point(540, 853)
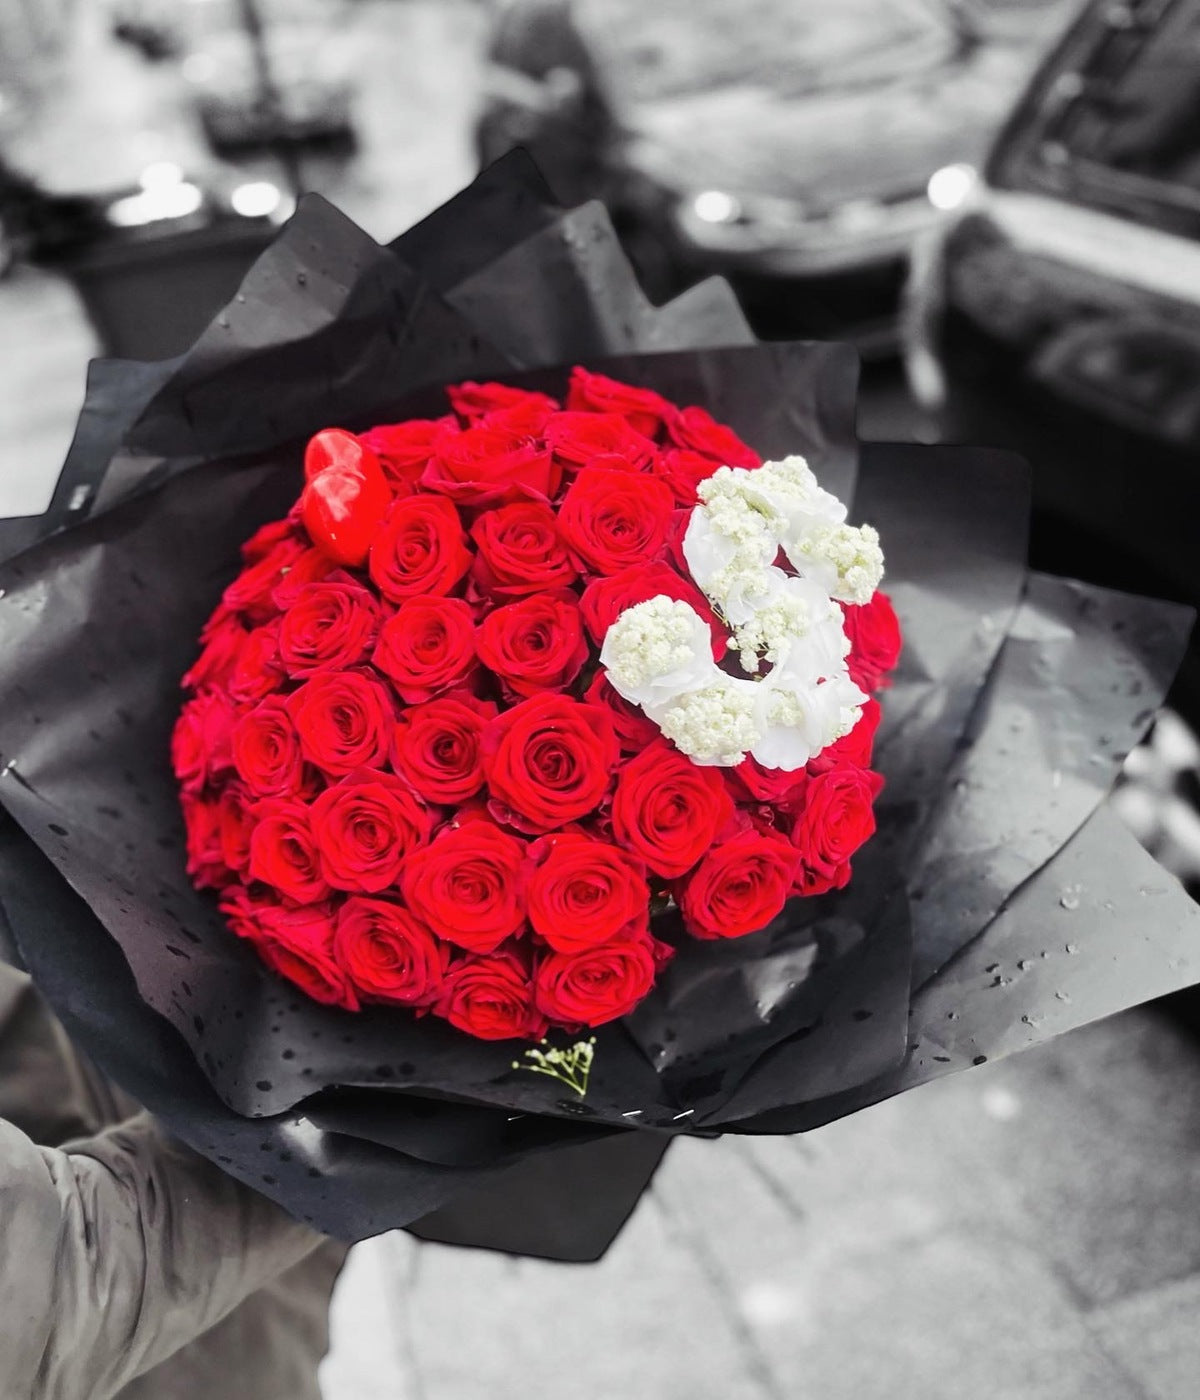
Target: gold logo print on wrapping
point(571, 1067)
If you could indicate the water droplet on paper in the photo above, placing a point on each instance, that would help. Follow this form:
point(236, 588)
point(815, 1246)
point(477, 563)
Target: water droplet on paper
point(1069, 901)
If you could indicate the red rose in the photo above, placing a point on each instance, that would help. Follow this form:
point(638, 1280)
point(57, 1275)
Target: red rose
point(597, 439)
point(838, 815)
point(258, 671)
point(218, 838)
point(438, 748)
point(535, 644)
point(427, 647)
point(739, 886)
point(420, 548)
point(313, 566)
point(344, 721)
point(634, 730)
point(475, 400)
point(267, 537)
point(298, 944)
point(750, 782)
point(365, 827)
point(605, 599)
point(266, 750)
point(491, 999)
point(597, 393)
point(875, 641)
point(548, 760)
point(404, 449)
point(855, 748)
point(201, 740)
point(526, 419)
point(593, 987)
point(388, 954)
point(612, 519)
point(668, 810)
point(330, 626)
point(683, 470)
point(468, 886)
point(250, 593)
point(697, 429)
point(583, 892)
point(486, 466)
point(283, 851)
point(222, 643)
point(520, 551)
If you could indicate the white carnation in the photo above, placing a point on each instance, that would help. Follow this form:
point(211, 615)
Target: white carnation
point(656, 650)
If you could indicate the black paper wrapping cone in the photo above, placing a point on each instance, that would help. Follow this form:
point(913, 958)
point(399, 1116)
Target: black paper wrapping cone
point(371, 1121)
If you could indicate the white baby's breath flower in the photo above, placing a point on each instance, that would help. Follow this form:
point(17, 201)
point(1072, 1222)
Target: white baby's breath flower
point(656, 650)
point(844, 559)
point(792, 490)
point(716, 725)
point(799, 722)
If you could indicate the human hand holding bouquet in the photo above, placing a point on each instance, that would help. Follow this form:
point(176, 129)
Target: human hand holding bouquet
point(505, 682)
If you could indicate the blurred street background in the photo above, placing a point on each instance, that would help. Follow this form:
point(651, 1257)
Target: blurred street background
point(998, 202)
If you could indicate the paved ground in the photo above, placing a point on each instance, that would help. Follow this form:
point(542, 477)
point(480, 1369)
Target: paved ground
point(1029, 1231)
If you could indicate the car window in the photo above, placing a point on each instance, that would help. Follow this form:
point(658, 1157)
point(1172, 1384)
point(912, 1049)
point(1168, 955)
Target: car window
point(1117, 126)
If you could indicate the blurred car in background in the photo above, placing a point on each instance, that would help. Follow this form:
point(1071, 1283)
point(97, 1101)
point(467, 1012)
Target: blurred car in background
point(797, 148)
point(1060, 315)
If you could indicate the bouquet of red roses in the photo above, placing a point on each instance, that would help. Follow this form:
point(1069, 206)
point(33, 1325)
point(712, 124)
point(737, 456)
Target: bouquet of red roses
point(505, 682)
point(534, 731)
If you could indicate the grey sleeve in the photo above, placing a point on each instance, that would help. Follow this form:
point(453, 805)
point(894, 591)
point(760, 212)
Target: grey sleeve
point(117, 1250)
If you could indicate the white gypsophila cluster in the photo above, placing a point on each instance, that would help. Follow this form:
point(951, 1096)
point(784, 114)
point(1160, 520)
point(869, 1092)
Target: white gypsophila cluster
point(658, 653)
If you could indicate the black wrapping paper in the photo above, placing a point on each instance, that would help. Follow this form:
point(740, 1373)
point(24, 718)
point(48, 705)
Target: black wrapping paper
point(370, 1121)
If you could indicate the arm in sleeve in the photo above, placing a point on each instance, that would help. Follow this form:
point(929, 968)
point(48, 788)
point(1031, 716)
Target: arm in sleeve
point(118, 1250)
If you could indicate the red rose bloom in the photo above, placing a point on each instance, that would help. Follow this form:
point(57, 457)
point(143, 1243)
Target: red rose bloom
point(633, 728)
point(597, 393)
point(438, 748)
point(612, 519)
point(739, 886)
point(491, 999)
point(388, 954)
point(520, 551)
point(533, 645)
point(668, 810)
point(234, 827)
point(838, 815)
point(404, 449)
point(596, 986)
point(298, 944)
point(750, 782)
point(266, 750)
point(222, 646)
point(547, 761)
point(605, 599)
point(684, 470)
point(258, 671)
point(283, 851)
point(344, 721)
point(206, 863)
point(331, 626)
point(874, 632)
point(698, 430)
point(250, 593)
point(468, 886)
point(474, 400)
point(583, 892)
point(201, 741)
point(312, 566)
point(597, 439)
point(266, 537)
point(419, 548)
point(427, 647)
point(486, 466)
point(365, 828)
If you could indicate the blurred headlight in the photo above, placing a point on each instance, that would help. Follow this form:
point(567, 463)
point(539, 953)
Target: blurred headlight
point(949, 187)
